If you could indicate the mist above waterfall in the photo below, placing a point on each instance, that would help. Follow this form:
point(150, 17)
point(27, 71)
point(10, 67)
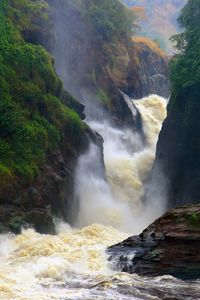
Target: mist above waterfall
point(118, 199)
point(74, 57)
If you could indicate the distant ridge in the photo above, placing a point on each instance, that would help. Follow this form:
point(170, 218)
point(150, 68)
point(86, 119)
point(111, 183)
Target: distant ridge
point(160, 21)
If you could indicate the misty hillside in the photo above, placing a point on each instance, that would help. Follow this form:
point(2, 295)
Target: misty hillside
point(159, 20)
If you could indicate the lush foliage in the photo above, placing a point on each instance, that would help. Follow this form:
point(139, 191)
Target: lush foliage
point(31, 18)
point(33, 115)
point(110, 19)
point(185, 67)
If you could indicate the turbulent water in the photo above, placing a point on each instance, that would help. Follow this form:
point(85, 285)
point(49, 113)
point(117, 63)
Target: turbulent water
point(73, 263)
point(119, 200)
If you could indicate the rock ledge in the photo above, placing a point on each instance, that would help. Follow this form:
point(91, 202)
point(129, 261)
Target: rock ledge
point(168, 246)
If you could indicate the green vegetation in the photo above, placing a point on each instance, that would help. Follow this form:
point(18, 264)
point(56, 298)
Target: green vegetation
point(110, 19)
point(33, 114)
point(110, 25)
point(104, 98)
point(185, 67)
point(194, 219)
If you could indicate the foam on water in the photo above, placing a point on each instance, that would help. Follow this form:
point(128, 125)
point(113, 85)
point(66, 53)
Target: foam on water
point(35, 260)
point(72, 265)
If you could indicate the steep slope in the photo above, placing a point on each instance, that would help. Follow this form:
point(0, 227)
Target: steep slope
point(148, 71)
point(96, 61)
point(160, 19)
point(41, 132)
point(178, 146)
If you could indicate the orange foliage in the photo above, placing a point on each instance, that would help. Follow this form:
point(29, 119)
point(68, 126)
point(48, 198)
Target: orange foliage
point(151, 44)
point(139, 11)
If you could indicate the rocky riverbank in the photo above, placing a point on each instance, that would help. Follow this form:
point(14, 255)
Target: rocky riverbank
point(168, 246)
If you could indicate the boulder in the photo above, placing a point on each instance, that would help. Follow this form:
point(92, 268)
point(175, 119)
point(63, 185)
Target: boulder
point(169, 246)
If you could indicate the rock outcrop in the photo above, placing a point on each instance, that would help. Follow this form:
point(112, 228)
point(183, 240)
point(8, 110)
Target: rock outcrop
point(168, 246)
point(148, 72)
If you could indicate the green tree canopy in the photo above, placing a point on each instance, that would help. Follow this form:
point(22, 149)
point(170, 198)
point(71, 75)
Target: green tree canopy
point(185, 66)
point(111, 19)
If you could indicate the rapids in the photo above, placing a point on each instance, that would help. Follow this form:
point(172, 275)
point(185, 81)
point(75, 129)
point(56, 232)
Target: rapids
point(72, 264)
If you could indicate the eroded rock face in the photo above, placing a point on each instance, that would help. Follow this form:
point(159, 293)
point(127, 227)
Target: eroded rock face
point(147, 73)
point(168, 246)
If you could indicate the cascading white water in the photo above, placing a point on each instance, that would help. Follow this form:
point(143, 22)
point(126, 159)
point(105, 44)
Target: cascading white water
point(118, 201)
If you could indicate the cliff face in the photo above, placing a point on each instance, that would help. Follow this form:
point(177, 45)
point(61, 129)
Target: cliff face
point(94, 68)
point(148, 72)
point(50, 194)
point(178, 147)
point(41, 131)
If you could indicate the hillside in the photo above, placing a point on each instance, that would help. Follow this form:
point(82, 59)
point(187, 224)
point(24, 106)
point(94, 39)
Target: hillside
point(97, 61)
point(160, 19)
point(41, 131)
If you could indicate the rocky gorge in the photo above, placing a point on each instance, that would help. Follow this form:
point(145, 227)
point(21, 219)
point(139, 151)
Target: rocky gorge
point(99, 82)
point(77, 147)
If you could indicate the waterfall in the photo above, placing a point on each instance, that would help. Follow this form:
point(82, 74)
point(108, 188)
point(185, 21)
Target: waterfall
point(117, 200)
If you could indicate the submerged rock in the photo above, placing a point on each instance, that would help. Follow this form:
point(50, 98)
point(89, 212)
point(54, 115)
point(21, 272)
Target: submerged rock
point(169, 246)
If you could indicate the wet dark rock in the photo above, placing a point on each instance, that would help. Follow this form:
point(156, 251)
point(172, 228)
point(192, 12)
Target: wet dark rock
point(13, 219)
point(169, 246)
point(178, 154)
point(147, 73)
